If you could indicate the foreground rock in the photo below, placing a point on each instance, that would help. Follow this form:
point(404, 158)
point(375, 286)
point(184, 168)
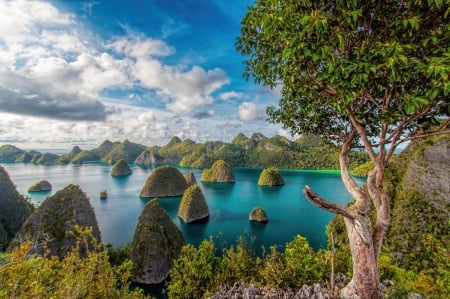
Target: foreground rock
point(193, 207)
point(14, 209)
point(164, 181)
point(258, 215)
point(121, 168)
point(220, 172)
point(271, 177)
point(156, 243)
point(50, 227)
point(41, 186)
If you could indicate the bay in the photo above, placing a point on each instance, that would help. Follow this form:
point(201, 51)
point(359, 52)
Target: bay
point(289, 212)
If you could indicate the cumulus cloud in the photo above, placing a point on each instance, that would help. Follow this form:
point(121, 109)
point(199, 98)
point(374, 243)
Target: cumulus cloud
point(231, 95)
point(251, 111)
point(59, 68)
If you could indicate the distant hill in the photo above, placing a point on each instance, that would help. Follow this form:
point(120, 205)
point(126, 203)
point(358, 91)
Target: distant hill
point(307, 152)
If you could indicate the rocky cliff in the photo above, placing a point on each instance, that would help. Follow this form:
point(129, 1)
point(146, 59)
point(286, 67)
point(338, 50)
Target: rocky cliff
point(50, 226)
point(14, 209)
point(156, 243)
point(164, 181)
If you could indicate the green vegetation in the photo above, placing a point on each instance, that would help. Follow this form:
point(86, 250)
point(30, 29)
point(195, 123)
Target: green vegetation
point(198, 273)
point(125, 150)
point(270, 177)
point(9, 153)
point(121, 168)
point(31, 276)
point(259, 215)
point(164, 181)
point(221, 171)
point(14, 209)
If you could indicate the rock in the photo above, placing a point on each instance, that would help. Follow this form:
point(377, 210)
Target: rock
point(220, 172)
point(14, 209)
point(258, 215)
point(164, 181)
point(193, 205)
point(50, 227)
point(270, 177)
point(148, 158)
point(190, 178)
point(121, 168)
point(156, 243)
point(41, 186)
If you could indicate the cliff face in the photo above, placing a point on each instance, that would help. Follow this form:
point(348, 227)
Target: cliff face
point(50, 226)
point(156, 243)
point(164, 181)
point(14, 209)
point(220, 172)
point(193, 205)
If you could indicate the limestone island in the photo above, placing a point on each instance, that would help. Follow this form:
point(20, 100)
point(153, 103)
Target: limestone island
point(270, 177)
point(258, 215)
point(156, 243)
point(41, 186)
point(103, 194)
point(121, 168)
point(193, 207)
point(190, 178)
point(220, 172)
point(164, 181)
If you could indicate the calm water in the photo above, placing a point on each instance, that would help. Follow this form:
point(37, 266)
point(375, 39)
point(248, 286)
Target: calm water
point(288, 211)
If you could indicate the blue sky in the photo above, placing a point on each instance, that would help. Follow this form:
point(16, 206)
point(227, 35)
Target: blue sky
point(79, 72)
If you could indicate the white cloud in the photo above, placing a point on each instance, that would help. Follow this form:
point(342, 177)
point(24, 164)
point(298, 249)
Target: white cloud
point(231, 95)
point(251, 111)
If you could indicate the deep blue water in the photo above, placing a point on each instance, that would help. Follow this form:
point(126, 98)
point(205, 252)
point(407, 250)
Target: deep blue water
point(229, 204)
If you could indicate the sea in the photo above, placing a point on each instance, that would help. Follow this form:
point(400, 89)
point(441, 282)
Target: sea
point(289, 212)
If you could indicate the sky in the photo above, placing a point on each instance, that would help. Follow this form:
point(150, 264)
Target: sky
point(79, 72)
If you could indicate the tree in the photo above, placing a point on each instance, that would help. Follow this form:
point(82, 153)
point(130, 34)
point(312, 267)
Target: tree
point(363, 74)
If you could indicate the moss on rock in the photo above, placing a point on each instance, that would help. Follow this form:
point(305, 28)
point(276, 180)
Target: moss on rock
point(221, 171)
point(121, 168)
point(270, 177)
point(193, 205)
point(164, 181)
point(157, 242)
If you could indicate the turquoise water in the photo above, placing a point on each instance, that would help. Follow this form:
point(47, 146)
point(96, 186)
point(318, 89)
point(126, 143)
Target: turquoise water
point(288, 211)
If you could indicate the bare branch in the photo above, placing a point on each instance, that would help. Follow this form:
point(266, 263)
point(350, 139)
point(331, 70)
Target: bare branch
point(324, 204)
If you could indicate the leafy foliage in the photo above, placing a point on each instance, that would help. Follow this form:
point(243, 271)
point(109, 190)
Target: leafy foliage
point(221, 171)
point(29, 276)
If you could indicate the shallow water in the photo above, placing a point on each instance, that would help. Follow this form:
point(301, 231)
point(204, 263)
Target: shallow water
point(230, 204)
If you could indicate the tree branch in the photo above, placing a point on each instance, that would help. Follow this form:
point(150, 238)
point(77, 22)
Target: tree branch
point(324, 204)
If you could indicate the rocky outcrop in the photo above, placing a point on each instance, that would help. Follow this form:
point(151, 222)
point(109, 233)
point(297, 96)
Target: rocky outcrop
point(148, 158)
point(9, 153)
point(121, 168)
point(164, 181)
point(190, 178)
point(156, 243)
point(220, 172)
point(41, 186)
point(103, 194)
point(193, 207)
point(258, 215)
point(50, 228)
point(270, 177)
point(14, 209)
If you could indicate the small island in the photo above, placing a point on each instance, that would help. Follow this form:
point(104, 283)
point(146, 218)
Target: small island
point(103, 194)
point(164, 181)
point(193, 207)
point(41, 186)
point(220, 172)
point(258, 215)
point(270, 177)
point(121, 168)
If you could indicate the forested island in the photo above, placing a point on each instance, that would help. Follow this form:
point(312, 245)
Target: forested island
point(307, 152)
